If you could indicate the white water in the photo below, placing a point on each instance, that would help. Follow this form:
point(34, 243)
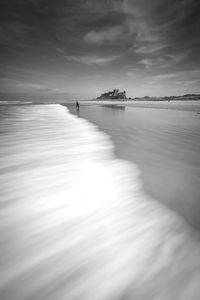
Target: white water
point(75, 223)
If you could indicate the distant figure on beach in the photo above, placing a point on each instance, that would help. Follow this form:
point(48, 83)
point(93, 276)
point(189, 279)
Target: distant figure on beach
point(77, 105)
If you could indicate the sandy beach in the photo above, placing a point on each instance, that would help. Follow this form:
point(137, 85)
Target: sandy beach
point(77, 221)
point(163, 140)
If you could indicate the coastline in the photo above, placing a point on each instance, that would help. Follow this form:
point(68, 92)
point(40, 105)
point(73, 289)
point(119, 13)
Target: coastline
point(73, 212)
point(189, 105)
point(162, 143)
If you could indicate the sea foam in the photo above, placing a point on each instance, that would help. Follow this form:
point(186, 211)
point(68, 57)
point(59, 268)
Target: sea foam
point(75, 223)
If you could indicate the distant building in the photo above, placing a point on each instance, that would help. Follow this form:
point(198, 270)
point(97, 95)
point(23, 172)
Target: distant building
point(115, 94)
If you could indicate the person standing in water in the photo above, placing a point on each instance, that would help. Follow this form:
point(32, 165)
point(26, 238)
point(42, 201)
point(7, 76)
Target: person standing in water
point(77, 105)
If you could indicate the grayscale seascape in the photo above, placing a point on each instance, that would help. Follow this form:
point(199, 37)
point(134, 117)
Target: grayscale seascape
point(99, 150)
point(74, 215)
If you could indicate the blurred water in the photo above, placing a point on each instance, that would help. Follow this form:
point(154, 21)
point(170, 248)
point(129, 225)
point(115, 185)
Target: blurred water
point(164, 142)
point(75, 223)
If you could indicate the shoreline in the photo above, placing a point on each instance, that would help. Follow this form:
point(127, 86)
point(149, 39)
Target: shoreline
point(186, 105)
point(74, 215)
point(193, 106)
point(149, 139)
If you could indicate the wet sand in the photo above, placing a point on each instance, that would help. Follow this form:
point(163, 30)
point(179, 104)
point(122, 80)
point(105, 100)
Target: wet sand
point(75, 222)
point(164, 141)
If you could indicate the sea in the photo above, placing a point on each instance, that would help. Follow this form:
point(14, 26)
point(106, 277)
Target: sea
point(76, 221)
point(163, 140)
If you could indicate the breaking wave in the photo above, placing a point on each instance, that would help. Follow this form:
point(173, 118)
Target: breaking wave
point(75, 223)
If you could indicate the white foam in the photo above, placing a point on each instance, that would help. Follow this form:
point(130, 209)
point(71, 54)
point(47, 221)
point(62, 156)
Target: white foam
point(75, 223)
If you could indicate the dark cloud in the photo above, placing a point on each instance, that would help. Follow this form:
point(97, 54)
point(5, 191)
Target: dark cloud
point(69, 37)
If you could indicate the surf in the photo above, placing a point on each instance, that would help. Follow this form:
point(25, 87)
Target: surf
point(75, 222)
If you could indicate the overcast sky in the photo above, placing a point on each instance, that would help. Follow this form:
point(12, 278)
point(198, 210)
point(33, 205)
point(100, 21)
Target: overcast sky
point(86, 47)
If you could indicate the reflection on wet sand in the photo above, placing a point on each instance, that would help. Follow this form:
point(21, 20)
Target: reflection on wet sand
point(75, 223)
point(164, 143)
point(114, 106)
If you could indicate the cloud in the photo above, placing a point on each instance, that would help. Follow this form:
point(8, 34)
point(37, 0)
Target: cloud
point(13, 31)
point(59, 50)
point(108, 35)
point(166, 61)
point(36, 87)
point(92, 59)
point(190, 75)
point(32, 86)
point(154, 36)
point(12, 84)
point(150, 48)
point(135, 73)
point(176, 58)
point(164, 76)
point(150, 62)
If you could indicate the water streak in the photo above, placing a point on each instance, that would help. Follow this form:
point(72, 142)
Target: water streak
point(75, 223)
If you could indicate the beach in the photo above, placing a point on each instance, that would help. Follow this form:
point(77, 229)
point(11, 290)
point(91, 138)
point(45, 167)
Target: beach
point(77, 218)
point(163, 140)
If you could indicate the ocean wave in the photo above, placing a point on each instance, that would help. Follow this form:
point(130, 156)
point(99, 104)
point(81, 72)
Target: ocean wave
point(75, 223)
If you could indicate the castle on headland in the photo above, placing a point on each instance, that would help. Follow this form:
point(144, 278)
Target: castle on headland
point(115, 94)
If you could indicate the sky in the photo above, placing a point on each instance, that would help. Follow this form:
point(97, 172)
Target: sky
point(83, 48)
